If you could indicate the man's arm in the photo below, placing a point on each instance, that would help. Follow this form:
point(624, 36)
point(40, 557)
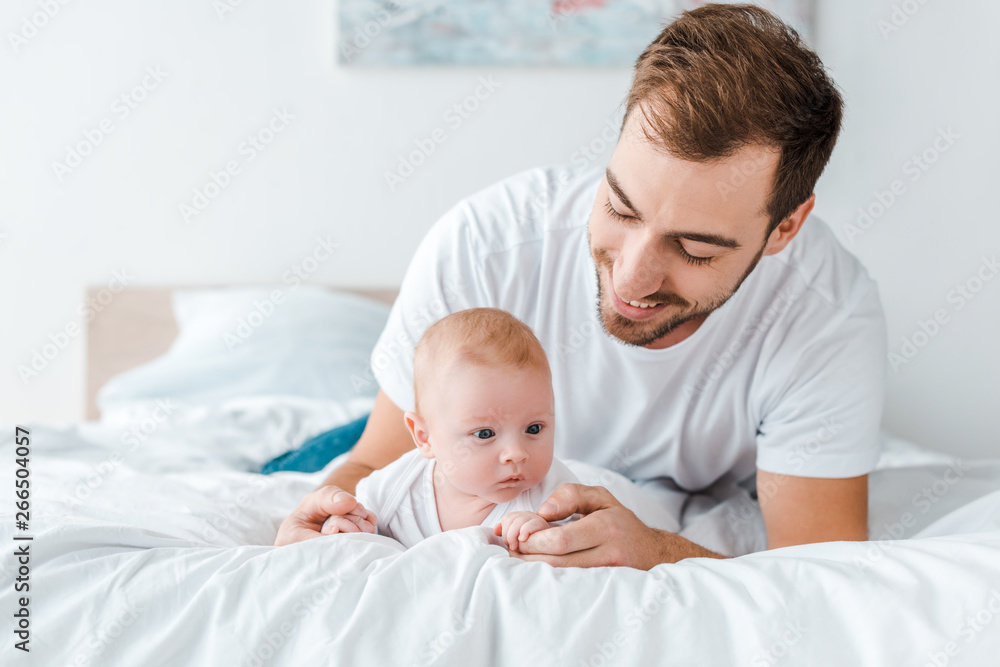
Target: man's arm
point(803, 510)
point(797, 510)
point(608, 534)
point(384, 440)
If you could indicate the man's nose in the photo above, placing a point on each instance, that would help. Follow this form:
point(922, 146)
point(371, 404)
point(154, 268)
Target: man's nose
point(639, 271)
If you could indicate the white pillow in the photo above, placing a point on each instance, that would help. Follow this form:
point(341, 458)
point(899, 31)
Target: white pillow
point(305, 341)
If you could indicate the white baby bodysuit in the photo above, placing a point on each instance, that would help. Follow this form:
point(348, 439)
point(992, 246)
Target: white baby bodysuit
point(402, 497)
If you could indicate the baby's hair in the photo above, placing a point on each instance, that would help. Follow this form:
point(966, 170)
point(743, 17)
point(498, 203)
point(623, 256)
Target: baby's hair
point(480, 336)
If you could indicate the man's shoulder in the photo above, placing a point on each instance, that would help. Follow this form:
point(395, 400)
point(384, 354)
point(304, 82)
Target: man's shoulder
point(528, 206)
point(823, 267)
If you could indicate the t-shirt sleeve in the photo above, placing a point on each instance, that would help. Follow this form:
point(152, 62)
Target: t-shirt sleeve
point(384, 489)
point(444, 276)
point(824, 419)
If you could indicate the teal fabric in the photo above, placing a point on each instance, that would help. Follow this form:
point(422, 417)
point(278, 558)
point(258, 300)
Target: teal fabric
point(316, 452)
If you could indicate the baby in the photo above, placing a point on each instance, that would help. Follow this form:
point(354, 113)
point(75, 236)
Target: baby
point(483, 425)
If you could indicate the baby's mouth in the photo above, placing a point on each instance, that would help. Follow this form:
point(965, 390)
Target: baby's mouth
point(512, 479)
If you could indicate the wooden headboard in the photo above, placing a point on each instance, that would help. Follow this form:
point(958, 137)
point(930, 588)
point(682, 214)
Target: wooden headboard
point(138, 325)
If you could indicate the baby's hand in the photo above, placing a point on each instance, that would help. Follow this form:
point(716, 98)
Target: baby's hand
point(516, 527)
point(356, 520)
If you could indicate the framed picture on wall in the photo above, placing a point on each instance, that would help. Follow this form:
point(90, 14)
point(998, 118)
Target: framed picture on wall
point(515, 32)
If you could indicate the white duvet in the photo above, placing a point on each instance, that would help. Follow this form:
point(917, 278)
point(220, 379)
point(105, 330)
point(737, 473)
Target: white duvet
point(155, 549)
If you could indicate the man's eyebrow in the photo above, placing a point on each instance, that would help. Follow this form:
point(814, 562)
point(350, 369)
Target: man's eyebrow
point(699, 237)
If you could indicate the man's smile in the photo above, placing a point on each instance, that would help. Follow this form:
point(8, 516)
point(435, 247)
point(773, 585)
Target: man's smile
point(634, 311)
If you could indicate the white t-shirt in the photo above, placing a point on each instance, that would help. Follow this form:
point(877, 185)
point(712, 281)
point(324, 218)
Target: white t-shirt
point(787, 376)
point(402, 497)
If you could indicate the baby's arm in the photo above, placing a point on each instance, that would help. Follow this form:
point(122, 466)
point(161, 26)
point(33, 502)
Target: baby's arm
point(516, 527)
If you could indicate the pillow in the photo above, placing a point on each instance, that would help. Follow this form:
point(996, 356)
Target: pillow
point(306, 341)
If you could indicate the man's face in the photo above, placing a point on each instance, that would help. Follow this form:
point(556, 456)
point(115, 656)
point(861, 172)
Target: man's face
point(490, 429)
point(691, 234)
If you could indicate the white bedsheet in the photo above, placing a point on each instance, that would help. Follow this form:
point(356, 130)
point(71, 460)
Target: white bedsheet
point(162, 558)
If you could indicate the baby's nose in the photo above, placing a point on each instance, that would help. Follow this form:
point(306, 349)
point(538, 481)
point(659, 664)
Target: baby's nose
point(515, 452)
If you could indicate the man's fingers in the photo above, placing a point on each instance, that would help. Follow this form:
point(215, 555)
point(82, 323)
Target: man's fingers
point(308, 519)
point(570, 499)
point(329, 500)
point(587, 533)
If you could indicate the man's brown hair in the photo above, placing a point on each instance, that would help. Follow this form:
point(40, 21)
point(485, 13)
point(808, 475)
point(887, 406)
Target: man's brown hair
point(722, 77)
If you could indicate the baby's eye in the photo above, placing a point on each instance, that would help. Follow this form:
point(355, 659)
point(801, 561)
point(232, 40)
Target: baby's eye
point(534, 429)
point(484, 433)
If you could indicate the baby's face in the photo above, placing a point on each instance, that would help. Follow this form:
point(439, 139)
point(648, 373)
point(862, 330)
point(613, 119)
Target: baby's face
point(491, 430)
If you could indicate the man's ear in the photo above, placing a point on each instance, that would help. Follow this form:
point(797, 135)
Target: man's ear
point(783, 234)
point(418, 431)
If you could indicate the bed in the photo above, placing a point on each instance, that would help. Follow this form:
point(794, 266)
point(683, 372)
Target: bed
point(152, 531)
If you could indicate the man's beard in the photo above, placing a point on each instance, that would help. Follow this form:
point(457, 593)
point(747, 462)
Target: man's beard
point(641, 334)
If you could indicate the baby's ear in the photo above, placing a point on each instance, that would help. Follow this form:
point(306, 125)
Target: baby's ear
point(418, 431)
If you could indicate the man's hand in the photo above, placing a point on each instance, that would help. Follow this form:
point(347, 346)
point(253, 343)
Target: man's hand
point(516, 527)
point(306, 522)
point(608, 534)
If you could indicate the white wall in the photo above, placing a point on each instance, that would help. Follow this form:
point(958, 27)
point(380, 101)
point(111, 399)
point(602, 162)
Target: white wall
point(323, 173)
point(939, 70)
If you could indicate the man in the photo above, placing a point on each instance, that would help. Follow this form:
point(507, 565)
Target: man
point(730, 336)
